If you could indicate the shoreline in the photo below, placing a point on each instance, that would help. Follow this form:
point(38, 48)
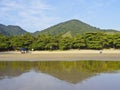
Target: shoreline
point(68, 55)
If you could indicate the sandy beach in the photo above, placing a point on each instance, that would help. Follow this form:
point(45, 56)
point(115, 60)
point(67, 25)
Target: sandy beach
point(68, 55)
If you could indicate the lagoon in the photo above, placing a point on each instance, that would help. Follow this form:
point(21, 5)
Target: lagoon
point(59, 75)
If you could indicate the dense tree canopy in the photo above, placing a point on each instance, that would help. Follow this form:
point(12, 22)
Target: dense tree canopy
point(48, 42)
point(4, 43)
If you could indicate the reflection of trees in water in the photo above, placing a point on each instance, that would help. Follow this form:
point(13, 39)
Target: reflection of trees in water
point(69, 71)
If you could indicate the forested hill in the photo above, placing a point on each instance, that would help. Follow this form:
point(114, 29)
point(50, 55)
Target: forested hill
point(11, 30)
point(72, 27)
point(68, 28)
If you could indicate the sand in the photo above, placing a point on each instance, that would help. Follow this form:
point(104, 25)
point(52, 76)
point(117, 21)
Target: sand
point(69, 55)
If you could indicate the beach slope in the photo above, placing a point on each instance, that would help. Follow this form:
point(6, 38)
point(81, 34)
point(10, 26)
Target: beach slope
point(70, 55)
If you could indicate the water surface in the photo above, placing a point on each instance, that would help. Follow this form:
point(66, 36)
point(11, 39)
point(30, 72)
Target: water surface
point(79, 75)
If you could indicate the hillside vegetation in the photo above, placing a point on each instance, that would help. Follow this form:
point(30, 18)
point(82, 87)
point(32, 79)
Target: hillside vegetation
point(72, 34)
point(68, 28)
point(73, 27)
point(11, 30)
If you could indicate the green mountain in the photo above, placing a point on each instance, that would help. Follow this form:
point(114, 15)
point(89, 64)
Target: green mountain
point(68, 28)
point(72, 27)
point(11, 30)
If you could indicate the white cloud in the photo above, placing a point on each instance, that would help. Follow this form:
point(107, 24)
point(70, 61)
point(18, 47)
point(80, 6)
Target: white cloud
point(35, 15)
point(30, 14)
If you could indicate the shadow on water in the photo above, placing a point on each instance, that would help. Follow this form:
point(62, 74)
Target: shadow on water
point(72, 72)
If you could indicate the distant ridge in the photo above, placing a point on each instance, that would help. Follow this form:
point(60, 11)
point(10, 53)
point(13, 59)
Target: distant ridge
point(11, 30)
point(72, 27)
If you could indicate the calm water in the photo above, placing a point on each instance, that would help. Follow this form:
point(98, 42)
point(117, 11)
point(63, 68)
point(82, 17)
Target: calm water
point(82, 75)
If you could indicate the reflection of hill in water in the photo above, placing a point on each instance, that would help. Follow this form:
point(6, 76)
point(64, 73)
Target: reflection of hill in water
point(73, 76)
point(9, 73)
point(72, 72)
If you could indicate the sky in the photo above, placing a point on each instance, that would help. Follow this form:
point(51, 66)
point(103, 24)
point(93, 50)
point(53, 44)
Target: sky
point(36, 15)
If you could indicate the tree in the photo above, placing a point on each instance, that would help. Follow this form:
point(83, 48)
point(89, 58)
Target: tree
point(4, 43)
point(108, 41)
point(116, 40)
point(94, 40)
point(27, 40)
point(65, 43)
point(15, 42)
point(78, 42)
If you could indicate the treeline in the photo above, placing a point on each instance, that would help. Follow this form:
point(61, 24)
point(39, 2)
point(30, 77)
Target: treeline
point(48, 42)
